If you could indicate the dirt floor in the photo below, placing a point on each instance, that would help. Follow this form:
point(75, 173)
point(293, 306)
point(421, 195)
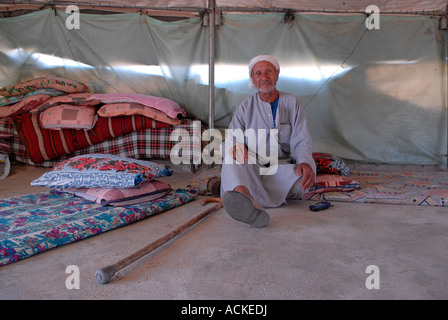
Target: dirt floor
point(340, 253)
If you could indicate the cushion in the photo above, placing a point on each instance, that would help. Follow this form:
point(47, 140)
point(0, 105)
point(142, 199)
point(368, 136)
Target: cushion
point(61, 84)
point(117, 197)
point(332, 183)
point(68, 116)
point(168, 106)
point(45, 144)
point(24, 105)
point(330, 164)
point(101, 171)
point(128, 109)
point(71, 98)
point(5, 101)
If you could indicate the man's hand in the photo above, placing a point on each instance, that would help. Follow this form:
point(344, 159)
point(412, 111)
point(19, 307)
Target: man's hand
point(239, 153)
point(305, 171)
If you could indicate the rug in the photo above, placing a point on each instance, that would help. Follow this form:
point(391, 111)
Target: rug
point(405, 188)
point(34, 223)
point(428, 188)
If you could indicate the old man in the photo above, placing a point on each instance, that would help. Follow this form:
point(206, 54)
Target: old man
point(267, 151)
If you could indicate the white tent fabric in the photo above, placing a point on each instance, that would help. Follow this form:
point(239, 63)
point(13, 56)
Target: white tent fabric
point(385, 103)
point(371, 95)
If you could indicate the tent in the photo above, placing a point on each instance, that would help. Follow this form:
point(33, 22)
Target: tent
point(371, 75)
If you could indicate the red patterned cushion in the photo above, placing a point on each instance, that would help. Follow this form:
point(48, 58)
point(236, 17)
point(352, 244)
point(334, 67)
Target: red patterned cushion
point(331, 164)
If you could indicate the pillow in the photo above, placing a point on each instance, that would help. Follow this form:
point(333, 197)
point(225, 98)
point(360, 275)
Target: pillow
point(128, 109)
point(330, 164)
point(24, 105)
point(332, 183)
point(69, 117)
point(14, 99)
point(101, 171)
point(71, 98)
point(168, 106)
point(147, 191)
point(61, 84)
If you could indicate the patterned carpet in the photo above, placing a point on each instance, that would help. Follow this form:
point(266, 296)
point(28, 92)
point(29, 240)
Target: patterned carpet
point(405, 188)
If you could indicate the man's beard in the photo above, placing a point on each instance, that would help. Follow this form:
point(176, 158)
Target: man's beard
point(270, 89)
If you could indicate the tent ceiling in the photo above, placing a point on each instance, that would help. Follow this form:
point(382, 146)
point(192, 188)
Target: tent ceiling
point(341, 5)
point(392, 6)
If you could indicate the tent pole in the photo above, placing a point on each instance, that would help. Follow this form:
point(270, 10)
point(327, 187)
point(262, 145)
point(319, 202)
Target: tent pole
point(211, 79)
point(444, 27)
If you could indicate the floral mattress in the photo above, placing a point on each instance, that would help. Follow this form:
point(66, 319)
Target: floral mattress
point(34, 223)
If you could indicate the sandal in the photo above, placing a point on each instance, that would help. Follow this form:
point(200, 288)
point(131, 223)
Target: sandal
point(241, 208)
point(214, 186)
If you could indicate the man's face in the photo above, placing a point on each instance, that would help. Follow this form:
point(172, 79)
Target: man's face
point(264, 76)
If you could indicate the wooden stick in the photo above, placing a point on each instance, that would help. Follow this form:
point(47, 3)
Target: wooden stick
point(103, 275)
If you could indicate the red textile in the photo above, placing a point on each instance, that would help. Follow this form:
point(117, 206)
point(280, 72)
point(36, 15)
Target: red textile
point(45, 144)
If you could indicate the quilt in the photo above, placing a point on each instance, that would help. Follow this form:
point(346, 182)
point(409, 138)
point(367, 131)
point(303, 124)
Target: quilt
point(35, 223)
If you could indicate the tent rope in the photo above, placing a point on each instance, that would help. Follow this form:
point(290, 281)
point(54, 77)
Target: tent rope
point(341, 66)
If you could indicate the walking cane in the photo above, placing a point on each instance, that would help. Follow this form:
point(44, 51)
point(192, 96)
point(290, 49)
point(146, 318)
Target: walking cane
point(104, 275)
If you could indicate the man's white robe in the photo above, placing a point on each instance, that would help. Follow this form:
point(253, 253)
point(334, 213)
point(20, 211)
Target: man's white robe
point(294, 147)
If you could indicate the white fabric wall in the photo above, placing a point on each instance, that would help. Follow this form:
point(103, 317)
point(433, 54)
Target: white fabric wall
point(386, 104)
point(110, 53)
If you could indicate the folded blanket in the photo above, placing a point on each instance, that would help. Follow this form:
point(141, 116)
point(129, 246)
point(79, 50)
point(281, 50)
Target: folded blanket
point(61, 84)
point(46, 144)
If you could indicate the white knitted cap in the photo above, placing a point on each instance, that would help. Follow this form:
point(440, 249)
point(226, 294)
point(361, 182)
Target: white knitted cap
point(262, 57)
